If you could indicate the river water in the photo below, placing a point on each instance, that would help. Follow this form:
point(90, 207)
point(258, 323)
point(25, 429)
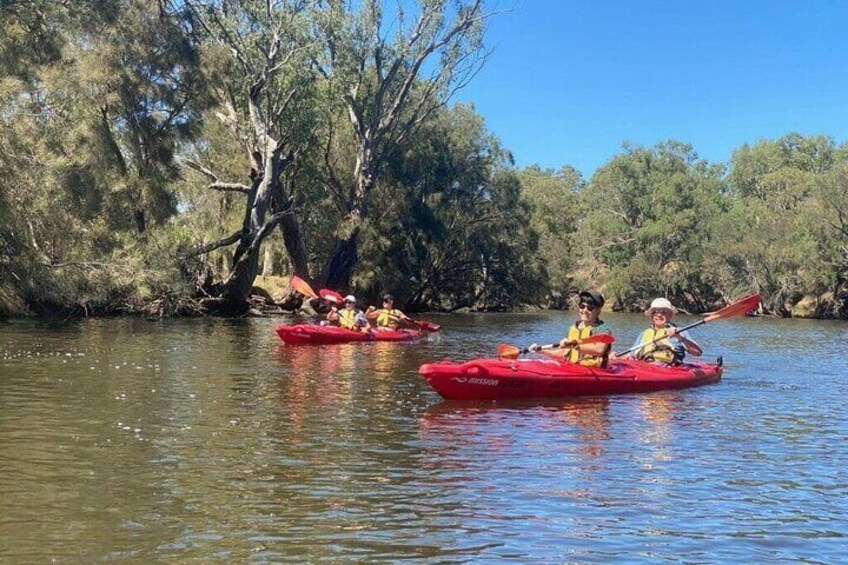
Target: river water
point(209, 441)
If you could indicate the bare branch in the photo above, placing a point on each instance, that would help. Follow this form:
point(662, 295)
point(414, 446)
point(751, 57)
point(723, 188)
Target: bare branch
point(471, 15)
point(224, 37)
point(263, 232)
point(204, 249)
point(332, 181)
point(89, 265)
point(278, 112)
point(216, 184)
point(229, 187)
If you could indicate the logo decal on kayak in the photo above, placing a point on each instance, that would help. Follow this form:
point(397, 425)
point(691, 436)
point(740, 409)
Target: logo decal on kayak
point(476, 381)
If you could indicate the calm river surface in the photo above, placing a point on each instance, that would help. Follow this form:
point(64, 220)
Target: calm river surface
point(204, 441)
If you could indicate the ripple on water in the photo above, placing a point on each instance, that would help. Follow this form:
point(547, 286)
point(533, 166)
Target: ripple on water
point(209, 440)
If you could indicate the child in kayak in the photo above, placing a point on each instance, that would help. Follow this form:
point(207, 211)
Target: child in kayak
point(333, 314)
point(661, 343)
point(587, 354)
point(349, 317)
point(388, 316)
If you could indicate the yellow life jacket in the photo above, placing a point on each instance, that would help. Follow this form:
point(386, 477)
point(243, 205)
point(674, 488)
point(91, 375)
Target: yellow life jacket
point(662, 350)
point(574, 355)
point(388, 318)
point(347, 319)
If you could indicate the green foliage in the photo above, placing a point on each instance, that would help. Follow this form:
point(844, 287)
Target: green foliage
point(557, 207)
point(451, 229)
point(826, 227)
point(90, 126)
point(771, 238)
point(100, 105)
point(645, 230)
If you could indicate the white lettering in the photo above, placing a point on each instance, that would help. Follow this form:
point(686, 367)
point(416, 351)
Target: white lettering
point(487, 382)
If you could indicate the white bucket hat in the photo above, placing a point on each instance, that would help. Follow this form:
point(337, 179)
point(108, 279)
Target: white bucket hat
point(350, 298)
point(660, 304)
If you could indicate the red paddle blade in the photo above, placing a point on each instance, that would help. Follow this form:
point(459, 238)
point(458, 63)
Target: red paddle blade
point(506, 351)
point(428, 326)
point(331, 295)
point(302, 286)
point(738, 308)
point(599, 338)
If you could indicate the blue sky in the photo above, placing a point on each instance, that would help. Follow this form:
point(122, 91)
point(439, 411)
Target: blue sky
point(569, 82)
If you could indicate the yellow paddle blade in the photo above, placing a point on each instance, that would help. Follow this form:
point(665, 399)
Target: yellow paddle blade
point(506, 351)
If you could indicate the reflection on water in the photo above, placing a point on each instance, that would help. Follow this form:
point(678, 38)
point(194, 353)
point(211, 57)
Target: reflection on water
point(211, 441)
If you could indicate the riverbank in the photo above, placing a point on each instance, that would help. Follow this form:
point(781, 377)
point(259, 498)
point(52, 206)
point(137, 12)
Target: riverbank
point(272, 296)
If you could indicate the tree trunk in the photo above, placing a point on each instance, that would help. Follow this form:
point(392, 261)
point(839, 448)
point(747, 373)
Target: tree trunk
point(246, 259)
point(295, 246)
point(345, 253)
point(343, 258)
point(224, 263)
point(268, 261)
point(237, 288)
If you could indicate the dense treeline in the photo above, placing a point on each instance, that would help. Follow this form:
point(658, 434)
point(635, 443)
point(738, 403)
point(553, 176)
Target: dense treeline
point(661, 222)
point(158, 156)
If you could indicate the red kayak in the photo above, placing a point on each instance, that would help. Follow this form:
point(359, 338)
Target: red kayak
point(491, 379)
point(308, 334)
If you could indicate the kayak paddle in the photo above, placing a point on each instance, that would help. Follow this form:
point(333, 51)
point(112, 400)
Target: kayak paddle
point(301, 286)
point(422, 325)
point(427, 326)
point(738, 308)
point(331, 295)
point(506, 351)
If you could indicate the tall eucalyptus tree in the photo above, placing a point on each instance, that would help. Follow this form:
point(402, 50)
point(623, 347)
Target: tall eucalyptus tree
point(257, 56)
point(391, 71)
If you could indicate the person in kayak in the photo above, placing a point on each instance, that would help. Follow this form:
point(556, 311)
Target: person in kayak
point(588, 354)
point(349, 317)
point(324, 302)
point(670, 347)
point(388, 316)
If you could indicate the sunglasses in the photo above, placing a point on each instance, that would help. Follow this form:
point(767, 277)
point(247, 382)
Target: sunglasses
point(662, 313)
point(586, 306)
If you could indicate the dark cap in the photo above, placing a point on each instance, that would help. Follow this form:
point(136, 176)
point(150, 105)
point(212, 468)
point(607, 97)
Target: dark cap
point(592, 296)
point(388, 298)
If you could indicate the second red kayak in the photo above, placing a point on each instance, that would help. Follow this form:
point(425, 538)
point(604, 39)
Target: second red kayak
point(308, 334)
point(491, 379)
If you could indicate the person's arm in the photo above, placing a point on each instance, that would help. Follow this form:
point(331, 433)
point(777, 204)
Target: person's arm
point(401, 316)
point(594, 349)
point(555, 353)
point(558, 354)
point(372, 313)
point(565, 346)
point(692, 346)
point(362, 321)
point(402, 320)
